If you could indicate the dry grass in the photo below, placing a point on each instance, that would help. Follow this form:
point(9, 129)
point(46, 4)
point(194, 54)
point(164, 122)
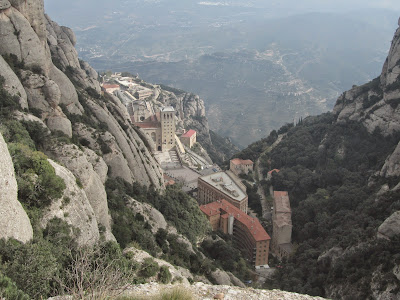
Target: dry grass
point(177, 293)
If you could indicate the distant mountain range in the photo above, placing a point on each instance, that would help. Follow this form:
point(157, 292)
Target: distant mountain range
point(254, 72)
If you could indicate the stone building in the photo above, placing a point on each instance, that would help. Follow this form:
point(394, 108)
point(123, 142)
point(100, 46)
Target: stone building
point(159, 127)
point(189, 138)
point(281, 225)
point(247, 232)
point(222, 185)
point(110, 88)
point(241, 166)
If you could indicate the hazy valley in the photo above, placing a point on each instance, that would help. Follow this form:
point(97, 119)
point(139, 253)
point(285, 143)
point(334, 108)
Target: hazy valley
point(256, 66)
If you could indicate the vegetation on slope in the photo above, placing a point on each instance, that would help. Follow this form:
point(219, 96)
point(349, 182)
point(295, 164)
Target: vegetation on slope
point(326, 166)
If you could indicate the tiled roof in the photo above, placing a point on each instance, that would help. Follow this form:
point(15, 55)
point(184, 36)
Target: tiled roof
point(274, 170)
point(189, 133)
point(238, 161)
point(110, 86)
point(225, 208)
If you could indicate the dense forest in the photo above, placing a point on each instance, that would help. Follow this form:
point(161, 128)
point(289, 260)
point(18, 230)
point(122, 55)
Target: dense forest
point(329, 170)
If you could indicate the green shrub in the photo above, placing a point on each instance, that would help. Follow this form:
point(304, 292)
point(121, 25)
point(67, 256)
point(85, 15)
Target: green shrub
point(149, 268)
point(8, 103)
point(9, 290)
point(164, 276)
point(38, 183)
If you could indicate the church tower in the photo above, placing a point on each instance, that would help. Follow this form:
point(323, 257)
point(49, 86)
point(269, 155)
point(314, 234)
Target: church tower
point(167, 115)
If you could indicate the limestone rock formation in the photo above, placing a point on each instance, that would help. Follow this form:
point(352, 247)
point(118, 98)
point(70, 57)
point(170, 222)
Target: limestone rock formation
point(73, 207)
point(178, 273)
point(156, 220)
point(391, 226)
point(130, 159)
point(376, 104)
point(62, 42)
point(221, 277)
point(14, 222)
point(203, 291)
point(12, 83)
point(79, 162)
point(392, 164)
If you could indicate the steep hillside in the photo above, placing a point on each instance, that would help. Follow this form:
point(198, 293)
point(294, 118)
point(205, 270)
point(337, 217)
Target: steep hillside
point(78, 181)
point(342, 173)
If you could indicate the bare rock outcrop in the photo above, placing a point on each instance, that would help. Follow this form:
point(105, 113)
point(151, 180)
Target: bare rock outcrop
point(156, 220)
point(14, 222)
point(19, 38)
point(178, 273)
point(79, 163)
point(391, 226)
point(376, 104)
point(392, 164)
point(62, 42)
point(73, 207)
point(204, 291)
point(221, 277)
point(57, 121)
point(128, 148)
point(12, 84)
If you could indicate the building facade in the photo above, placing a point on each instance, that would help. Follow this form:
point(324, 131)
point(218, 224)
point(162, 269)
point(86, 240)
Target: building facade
point(241, 166)
point(281, 225)
point(247, 232)
point(222, 185)
point(167, 115)
point(160, 127)
point(189, 138)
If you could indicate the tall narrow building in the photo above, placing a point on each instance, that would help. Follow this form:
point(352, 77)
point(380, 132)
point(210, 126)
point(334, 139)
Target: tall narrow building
point(167, 115)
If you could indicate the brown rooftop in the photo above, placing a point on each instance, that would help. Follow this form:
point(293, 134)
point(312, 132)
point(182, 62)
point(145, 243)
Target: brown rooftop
point(281, 202)
point(189, 133)
point(223, 207)
point(238, 161)
point(110, 86)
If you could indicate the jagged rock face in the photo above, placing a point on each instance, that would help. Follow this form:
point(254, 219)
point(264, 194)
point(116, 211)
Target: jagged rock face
point(226, 278)
point(391, 226)
point(57, 121)
point(73, 207)
point(14, 222)
point(43, 93)
point(19, 38)
point(79, 162)
point(392, 164)
point(62, 42)
point(176, 272)
point(376, 104)
point(130, 159)
point(12, 83)
point(156, 220)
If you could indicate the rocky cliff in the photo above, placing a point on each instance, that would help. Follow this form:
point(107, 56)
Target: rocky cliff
point(376, 104)
point(45, 73)
point(91, 136)
point(14, 222)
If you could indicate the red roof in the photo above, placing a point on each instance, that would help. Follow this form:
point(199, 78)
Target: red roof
point(189, 133)
point(225, 208)
point(110, 86)
point(238, 161)
point(274, 170)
